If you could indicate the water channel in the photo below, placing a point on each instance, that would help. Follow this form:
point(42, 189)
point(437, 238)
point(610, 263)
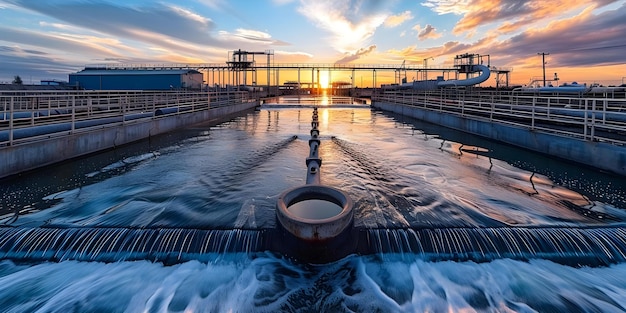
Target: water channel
point(401, 174)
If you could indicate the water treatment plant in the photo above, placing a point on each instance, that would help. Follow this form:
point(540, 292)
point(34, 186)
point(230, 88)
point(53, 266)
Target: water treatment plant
point(207, 189)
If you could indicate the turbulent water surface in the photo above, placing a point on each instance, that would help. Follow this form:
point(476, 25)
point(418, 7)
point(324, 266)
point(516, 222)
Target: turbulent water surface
point(400, 173)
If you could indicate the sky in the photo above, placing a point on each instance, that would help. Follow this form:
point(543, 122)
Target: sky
point(49, 39)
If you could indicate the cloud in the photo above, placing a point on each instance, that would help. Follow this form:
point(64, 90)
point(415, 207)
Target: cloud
point(213, 4)
point(167, 21)
point(510, 27)
point(415, 55)
point(250, 36)
point(457, 7)
point(349, 57)
point(282, 2)
point(584, 40)
point(77, 45)
point(351, 23)
point(58, 26)
point(46, 54)
point(92, 30)
point(428, 32)
point(292, 56)
point(492, 11)
point(32, 63)
point(514, 14)
point(395, 20)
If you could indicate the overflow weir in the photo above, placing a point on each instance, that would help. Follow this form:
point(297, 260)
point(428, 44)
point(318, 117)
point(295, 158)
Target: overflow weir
point(594, 246)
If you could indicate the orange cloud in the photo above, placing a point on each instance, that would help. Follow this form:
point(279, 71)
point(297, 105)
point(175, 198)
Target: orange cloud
point(395, 20)
point(428, 32)
point(515, 14)
point(349, 57)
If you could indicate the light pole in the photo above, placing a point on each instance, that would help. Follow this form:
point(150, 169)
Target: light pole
point(543, 64)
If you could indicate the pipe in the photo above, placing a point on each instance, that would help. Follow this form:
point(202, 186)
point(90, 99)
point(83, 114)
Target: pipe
point(471, 81)
point(316, 219)
point(314, 162)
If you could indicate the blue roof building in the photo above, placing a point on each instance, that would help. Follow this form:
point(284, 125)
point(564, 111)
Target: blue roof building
point(136, 79)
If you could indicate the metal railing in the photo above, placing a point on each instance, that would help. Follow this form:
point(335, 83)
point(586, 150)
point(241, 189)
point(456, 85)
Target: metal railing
point(311, 100)
point(27, 116)
point(592, 119)
point(272, 65)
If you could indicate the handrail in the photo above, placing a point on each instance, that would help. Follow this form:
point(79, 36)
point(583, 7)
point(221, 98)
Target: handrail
point(27, 116)
point(590, 119)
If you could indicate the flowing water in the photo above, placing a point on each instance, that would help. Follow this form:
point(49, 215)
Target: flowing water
point(447, 222)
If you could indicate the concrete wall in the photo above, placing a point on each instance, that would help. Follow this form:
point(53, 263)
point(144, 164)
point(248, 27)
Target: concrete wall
point(601, 155)
point(20, 158)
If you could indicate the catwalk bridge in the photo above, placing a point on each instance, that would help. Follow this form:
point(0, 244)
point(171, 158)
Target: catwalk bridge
point(242, 69)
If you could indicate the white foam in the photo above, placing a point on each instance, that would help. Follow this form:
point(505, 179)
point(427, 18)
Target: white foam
point(246, 217)
point(266, 283)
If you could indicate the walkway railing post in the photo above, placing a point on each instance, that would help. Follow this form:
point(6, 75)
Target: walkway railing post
point(604, 109)
point(124, 106)
point(11, 110)
point(73, 114)
point(532, 114)
point(593, 119)
point(33, 110)
point(441, 100)
point(585, 118)
point(462, 103)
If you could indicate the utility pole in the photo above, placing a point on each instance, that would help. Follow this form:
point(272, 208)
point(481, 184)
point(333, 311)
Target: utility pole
point(543, 64)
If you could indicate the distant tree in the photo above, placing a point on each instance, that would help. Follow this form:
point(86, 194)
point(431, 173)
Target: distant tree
point(17, 80)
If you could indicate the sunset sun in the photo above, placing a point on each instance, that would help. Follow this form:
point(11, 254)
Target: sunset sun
point(324, 80)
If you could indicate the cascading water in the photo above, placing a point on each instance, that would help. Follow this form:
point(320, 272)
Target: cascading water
point(573, 246)
point(122, 244)
point(204, 203)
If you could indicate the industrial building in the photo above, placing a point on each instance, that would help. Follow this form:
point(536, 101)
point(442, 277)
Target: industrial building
point(98, 78)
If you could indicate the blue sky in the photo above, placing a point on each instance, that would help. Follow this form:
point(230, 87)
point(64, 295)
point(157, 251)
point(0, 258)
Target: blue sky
point(49, 39)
